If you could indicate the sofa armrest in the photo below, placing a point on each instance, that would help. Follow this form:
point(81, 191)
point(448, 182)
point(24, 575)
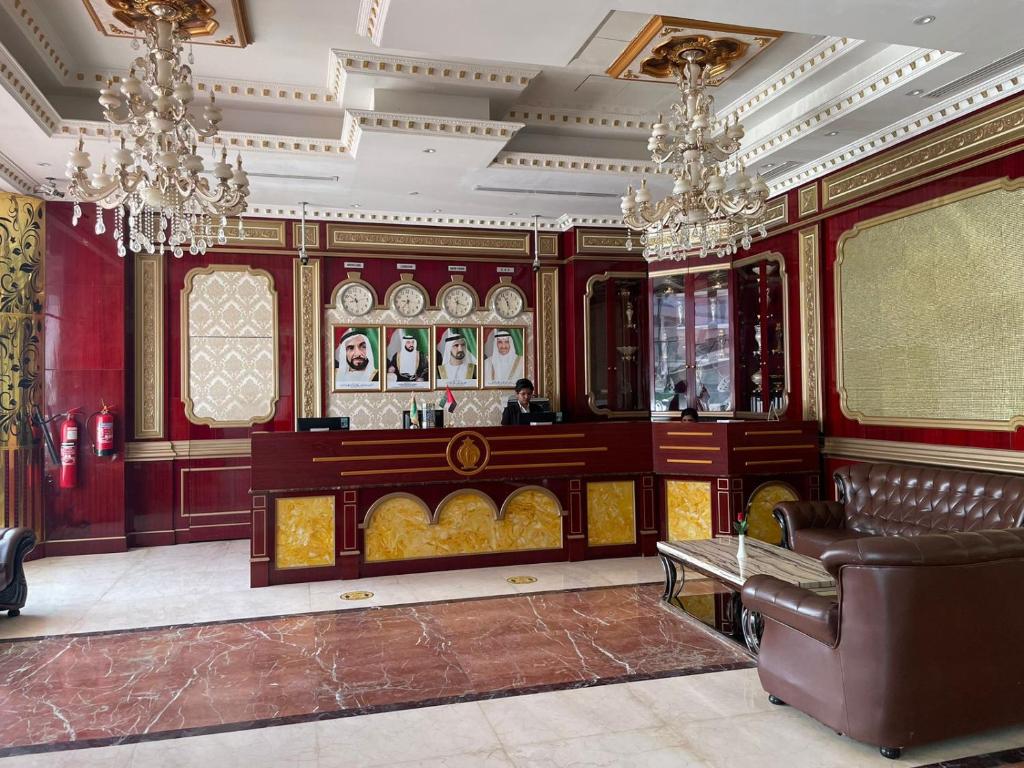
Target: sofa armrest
point(796, 607)
point(795, 515)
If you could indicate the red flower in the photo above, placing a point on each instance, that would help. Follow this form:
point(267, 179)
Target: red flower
point(741, 516)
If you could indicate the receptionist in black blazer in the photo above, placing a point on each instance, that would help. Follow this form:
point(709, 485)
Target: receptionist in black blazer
point(514, 412)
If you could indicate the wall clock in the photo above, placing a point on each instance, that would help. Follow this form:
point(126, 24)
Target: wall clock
point(508, 301)
point(356, 299)
point(408, 300)
point(458, 300)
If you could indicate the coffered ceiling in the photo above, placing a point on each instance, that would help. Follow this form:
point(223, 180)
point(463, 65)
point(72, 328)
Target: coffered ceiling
point(340, 102)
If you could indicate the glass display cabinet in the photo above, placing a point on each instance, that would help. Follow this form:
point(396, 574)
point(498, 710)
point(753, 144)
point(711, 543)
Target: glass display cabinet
point(719, 338)
point(614, 330)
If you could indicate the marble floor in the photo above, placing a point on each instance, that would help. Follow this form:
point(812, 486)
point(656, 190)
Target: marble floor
point(711, 719)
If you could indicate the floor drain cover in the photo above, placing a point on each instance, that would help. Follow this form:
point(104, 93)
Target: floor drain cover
point(521, 579)
point(359, 594)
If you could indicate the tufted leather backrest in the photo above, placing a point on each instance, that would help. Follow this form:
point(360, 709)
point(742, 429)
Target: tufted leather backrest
point(906, 500)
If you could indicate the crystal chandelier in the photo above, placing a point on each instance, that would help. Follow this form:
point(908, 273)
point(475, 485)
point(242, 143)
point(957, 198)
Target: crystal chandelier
point(714, 203)
point(154, 182)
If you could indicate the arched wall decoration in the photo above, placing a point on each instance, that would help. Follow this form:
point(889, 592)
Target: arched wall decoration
point(229, 362)
point(761, 524)
point(400, 526)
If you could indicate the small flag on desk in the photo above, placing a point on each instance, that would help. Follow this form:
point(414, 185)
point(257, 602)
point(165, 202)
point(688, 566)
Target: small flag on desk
point(447, 400)
point(414, 414)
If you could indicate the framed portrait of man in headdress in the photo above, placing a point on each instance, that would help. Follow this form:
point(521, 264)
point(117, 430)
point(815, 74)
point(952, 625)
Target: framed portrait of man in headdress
point(356, 358)
point(407, 358)
point(504, 356)
point(456, 362)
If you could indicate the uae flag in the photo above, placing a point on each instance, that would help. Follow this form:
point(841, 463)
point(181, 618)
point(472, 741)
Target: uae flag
point(447, 400)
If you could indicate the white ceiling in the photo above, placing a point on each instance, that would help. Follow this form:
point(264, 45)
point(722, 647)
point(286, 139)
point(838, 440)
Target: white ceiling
point(534, 113)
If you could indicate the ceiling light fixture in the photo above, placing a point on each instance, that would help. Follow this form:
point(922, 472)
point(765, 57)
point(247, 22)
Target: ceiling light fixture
point(429, 151)
point(356, 205)
point(922, 20)
point(43, 165)
point(156, 181)
point(414, 193)
point(832, 133)
point(437, 210)
point(714, 203)
point(915, 92)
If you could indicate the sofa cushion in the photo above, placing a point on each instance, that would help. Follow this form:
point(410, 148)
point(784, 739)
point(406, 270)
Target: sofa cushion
point(814, 541)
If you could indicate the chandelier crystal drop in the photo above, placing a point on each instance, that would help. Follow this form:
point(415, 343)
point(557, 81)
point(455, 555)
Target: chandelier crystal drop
point(715, 207)
point(154, 180)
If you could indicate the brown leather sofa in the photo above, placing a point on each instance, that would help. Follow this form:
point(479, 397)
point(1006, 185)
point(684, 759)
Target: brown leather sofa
point(15, 544)
point(901, 500)
point(918, 647)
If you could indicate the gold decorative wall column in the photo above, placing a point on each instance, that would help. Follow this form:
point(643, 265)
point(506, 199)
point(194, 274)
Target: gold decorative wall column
point(306, 282)
point(149, 345)
point(22, 240)
point(810, 323)
point(548, 372)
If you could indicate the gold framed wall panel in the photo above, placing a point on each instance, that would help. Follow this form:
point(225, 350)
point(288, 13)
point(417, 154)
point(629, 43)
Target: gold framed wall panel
point(257, 233)
point(149, 346)
point(809, 279)
point(549, 373)
point(308, 376)
point(212, 336)
point(972, 136)
point(807, 200)
point(401, 240)
point(312, 235)
point(948, 275)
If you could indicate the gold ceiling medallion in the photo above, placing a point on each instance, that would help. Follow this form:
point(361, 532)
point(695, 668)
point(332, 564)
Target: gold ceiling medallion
point(199, 19)
point(725, 48)
point(717, 53)
point(468, 453)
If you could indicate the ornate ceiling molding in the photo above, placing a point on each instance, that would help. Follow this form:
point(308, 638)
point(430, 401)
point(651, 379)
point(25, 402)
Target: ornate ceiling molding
point(258, 142)
point(811, 61)
point(385, 217)
point(16, 81)
point(627, 123)
point(896, 75)
point(17, 178)
point(370, 23)
point(343, 64)
point(41, 37)
point(933, 116)
point(571, 163)
point(360, 121)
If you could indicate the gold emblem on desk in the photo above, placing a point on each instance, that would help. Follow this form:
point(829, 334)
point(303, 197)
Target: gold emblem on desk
point(468, 453)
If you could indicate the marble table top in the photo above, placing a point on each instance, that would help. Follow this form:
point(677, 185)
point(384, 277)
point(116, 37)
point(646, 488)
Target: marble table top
point(717, 558)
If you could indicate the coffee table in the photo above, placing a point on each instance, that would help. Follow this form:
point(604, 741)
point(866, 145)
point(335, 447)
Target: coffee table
point(716, 559)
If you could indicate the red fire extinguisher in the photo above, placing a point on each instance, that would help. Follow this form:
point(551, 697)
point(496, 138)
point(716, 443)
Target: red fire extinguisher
point(69, 450)
point(103, 432)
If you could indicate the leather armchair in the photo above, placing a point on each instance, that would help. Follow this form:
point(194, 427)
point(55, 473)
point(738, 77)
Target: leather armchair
point(901, 500)
point(15, 544)
point(917, 647)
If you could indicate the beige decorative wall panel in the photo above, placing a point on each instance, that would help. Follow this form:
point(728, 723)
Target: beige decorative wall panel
point(810, 321)
point(308, 377)
point(149, 345)
point(928, 304)
point(229, 360)
point(549, 359)
point(383, 410)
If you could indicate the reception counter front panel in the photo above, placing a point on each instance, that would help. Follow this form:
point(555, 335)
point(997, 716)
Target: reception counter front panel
point(416, 500)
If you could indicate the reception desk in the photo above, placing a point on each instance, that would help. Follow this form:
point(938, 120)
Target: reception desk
point(328, 505)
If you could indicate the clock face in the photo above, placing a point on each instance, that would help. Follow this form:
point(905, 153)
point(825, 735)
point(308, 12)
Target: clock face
point(458, 301)
point(508, 302)
point(356, 299)
point(408, 301)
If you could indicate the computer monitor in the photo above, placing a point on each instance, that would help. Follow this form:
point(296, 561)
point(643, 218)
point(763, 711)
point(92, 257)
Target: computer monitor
point(324, 424)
